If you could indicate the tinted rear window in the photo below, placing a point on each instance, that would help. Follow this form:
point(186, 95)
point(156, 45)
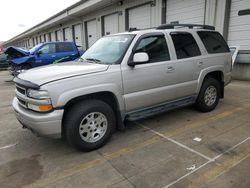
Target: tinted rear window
point(213, 42)
point(185, 45)
point(64, 47)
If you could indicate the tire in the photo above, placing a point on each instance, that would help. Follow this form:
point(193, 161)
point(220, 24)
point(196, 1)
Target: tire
point(209, 95)
point(83, 129)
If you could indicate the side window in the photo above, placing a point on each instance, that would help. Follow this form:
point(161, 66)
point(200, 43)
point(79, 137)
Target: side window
point(64, 47)
point(48, 49)
point(185, 45)
point(156, 48)
point(213, 42)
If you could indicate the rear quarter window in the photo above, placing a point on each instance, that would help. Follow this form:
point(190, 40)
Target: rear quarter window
point(185, 45)
point(64, 47)
point(213, 42)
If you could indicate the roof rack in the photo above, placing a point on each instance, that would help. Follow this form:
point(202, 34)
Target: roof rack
point(136, 29)
point(190, 26)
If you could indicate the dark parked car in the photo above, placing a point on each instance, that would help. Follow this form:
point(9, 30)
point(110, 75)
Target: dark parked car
point(41, 54)
point(3, 61)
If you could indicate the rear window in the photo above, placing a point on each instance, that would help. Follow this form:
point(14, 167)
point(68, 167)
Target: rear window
point(213, 42)
point(185, 45)
point(64, 47)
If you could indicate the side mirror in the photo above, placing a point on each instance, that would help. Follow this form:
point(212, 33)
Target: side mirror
point(139, 58)
point(38, 53)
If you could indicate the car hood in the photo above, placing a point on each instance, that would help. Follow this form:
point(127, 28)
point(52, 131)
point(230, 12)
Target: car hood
point(45, 74)
point(16, 52)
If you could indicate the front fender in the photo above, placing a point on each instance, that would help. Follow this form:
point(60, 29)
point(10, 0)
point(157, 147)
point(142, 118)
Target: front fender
point(22, 60)
point(65, 97)
point(205, 72)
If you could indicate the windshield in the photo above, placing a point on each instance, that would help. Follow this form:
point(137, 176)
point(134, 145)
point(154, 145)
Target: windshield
point(108, 50)
point(32, 50)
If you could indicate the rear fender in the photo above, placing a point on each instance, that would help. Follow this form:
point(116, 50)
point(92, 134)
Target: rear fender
point(205, 72)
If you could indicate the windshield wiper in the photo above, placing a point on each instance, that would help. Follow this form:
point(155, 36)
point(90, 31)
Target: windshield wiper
point(94, 60)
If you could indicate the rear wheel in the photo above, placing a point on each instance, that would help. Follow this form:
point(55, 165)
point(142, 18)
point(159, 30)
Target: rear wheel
point(89, 124)
point(209, 95)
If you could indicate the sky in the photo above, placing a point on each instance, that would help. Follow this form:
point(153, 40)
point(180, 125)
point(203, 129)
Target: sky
point(16, 16)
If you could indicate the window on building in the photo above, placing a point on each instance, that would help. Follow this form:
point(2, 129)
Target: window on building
point(156, 48)
point(48, 49)
point(185, 45)
point(64, 47)
point(213, 42)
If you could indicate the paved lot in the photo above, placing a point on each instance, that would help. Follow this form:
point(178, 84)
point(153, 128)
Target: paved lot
point(156, 152)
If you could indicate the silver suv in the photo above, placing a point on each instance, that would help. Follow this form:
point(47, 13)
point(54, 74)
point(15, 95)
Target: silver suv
point(125, 76)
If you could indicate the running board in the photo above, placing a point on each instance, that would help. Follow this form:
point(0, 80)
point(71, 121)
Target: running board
point(144, 113)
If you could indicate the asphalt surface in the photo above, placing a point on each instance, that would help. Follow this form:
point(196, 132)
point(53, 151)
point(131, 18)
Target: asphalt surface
point(181, 148)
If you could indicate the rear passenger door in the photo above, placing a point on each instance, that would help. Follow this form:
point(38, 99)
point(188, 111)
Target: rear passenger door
point(66, 52)
point(188, 65)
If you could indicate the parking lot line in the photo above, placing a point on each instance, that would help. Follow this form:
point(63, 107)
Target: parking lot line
point(206, 121)
point(175, 142)
point(213, 172)
point(8, 146)
point(93, 163)
point(129, 149)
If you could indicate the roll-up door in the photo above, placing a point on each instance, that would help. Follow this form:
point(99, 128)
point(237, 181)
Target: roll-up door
point(67, 35)
point(48, 37)
point(185, 11)
point(91, 32)
point(58, 35)
point(111, 24)
point(78, 35)
point(239, 24)
point(53, 36)
point(139, 17)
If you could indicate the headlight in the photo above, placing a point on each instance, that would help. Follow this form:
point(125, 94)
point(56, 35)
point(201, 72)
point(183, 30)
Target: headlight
point(41, 95)
point(38, 94)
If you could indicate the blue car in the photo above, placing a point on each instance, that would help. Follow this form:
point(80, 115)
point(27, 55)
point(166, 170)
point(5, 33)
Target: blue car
point(42, 54)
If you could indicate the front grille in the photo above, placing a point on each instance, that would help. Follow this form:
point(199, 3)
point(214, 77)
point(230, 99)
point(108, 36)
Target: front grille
point(21, 102)
point(21, 90)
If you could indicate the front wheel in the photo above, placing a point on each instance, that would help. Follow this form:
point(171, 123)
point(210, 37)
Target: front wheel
point(209, 95)
point(89, 124)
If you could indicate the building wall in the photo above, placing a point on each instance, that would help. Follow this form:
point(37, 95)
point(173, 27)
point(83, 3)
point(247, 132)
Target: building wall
point(212, 12)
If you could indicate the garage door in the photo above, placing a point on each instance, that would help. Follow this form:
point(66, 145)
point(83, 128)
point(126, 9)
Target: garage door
point(111, 24)
point(58, 35)
point(139, 17)
point(239, 25)
point(91, 32)
point(185, 11)
point(78, 34)
point(53, 36)
point(48, 37)
point(67, 35)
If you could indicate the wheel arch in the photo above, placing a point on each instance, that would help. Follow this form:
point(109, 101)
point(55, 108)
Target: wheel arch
point(216, 74)
point(105, 96)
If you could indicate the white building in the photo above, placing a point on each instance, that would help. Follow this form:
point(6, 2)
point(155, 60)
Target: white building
point(88, 20)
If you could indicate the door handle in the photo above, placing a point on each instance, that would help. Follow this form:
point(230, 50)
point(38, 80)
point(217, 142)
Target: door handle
point(170, 69)
point(200, 64)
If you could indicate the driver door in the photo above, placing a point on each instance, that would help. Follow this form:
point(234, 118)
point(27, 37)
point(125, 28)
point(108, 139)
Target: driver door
point(46, 54)
point(149, 84)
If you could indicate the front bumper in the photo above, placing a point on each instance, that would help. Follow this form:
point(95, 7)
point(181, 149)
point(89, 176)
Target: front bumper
point(42, 124)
